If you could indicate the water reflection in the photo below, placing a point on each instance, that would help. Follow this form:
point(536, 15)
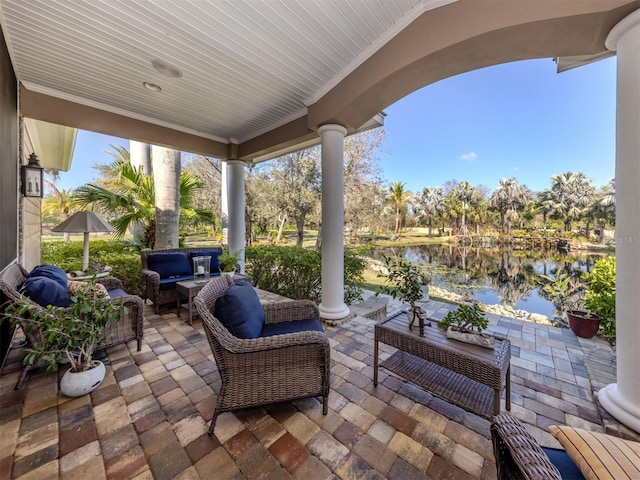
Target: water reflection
point(489, 275)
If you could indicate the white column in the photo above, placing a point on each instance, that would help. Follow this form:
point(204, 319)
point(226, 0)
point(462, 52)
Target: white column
point(224, 203)
point(332, 306)
point(235, 196)
point(622, 399)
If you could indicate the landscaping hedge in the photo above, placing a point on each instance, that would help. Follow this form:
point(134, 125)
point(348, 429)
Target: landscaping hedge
point(122, 257)
point(295, 272)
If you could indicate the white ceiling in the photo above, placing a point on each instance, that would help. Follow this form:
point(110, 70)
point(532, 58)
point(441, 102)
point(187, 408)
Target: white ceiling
point(248, 65)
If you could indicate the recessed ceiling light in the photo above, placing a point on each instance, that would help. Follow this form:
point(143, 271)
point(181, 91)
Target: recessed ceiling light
point(151, 86)
point(165, 69)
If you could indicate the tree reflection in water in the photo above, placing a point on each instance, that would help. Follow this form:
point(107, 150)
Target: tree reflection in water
point(490, 275)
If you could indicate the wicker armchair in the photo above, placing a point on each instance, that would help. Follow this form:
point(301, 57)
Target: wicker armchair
point(265, 370)
point(128, 328)
point(518, 455)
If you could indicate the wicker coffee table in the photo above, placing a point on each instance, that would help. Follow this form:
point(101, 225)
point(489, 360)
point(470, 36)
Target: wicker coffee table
point(468, 376)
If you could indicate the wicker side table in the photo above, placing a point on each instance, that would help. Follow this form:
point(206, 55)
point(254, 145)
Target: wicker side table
point(468, 376)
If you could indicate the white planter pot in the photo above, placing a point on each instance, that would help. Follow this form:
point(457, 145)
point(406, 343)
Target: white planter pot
point(415, 320)
point(482, 339)
point(76, 384)
point(229, 274)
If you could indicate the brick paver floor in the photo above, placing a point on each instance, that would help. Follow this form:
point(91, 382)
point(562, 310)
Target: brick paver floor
point(149, 417)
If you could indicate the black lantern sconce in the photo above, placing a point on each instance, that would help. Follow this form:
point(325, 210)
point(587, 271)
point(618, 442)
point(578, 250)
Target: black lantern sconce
point(32, 177)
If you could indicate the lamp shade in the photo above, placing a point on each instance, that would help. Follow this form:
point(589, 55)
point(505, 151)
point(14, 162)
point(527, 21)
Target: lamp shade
point(84, 222)
point(81, 222)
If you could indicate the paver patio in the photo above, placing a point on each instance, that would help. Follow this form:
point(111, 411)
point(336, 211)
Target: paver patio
point(149, 417)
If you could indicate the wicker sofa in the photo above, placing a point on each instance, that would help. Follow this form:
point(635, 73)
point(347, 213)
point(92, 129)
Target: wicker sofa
point(288, 359)
point(130, 327)
point(161, 277)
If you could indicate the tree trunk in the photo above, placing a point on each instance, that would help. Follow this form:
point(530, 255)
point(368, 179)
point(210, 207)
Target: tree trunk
point(319, 237)
point(300, 228)
point(282, 221)
point(166, 178)
point(139, 156)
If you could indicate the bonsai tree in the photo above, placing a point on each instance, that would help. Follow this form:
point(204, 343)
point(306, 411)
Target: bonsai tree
point(404, 281)
point(600, 296)
point(228, 260)
point(70, 335)
point(466, 319)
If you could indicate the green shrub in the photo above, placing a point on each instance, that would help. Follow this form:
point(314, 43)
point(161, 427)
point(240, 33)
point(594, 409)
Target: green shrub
point(122, 257)
point(295, 272)
point(600, 296)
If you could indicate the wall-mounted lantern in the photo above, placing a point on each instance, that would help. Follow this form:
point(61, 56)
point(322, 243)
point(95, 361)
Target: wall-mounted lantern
point(32, 177)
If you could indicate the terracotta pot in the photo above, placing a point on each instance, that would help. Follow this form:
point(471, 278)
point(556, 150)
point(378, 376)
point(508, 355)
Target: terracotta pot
point(584, 325)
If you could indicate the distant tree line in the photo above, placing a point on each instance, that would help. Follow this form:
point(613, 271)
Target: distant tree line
point(285, 194)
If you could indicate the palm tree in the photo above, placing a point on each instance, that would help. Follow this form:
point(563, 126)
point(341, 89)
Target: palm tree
point(464, 192)
point(546, 206)
point(59, 204)
point(430, 202)
point(399, 197)
point(572, 192)
point(507, 198)
point(127, 197)
point(603, 209)
point(166, 178)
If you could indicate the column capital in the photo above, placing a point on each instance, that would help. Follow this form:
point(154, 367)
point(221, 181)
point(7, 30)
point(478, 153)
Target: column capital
point(236, 161)
point(332, 127)
point(622, 27)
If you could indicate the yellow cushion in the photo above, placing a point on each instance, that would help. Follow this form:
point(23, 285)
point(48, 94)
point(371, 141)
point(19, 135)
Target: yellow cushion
point(600, 456)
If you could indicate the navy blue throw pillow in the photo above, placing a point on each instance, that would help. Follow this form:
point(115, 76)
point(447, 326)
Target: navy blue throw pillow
point(45, 291)
point(292, 326)
point(50, 271)
point(214, 254)
point(170, 264)
point(240, 311)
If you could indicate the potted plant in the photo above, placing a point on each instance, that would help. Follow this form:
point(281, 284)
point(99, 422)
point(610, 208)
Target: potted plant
point(69, 336)
point(566, 296)
point(405, 281)
point(466, 324)
point(600, 295)
point(228, 261)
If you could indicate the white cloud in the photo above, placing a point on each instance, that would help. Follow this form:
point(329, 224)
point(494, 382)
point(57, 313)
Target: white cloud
point(469, 157)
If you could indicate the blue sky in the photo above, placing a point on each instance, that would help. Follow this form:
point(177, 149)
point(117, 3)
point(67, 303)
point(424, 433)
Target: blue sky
point(520, 119)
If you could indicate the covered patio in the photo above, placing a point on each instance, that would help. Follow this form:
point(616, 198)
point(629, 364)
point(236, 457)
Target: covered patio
point(149, 417)
point(330, 70)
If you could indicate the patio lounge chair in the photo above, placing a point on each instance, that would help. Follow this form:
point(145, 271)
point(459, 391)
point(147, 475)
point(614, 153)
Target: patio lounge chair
point(288, 357)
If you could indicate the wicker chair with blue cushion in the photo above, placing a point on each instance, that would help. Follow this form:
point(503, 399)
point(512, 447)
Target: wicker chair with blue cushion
point(47, 285)
point(265, 353)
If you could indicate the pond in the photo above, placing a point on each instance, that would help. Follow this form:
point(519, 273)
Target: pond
point(495, 276)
